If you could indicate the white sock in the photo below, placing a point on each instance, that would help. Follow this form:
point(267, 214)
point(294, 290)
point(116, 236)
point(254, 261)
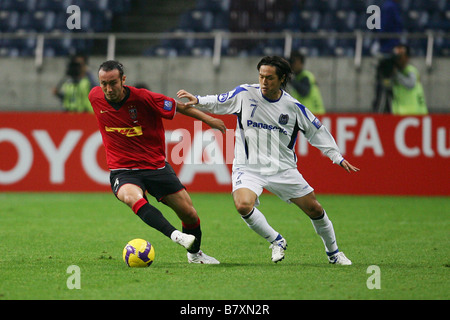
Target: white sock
point(324, 228)
point(175, 235)
point(258, 223)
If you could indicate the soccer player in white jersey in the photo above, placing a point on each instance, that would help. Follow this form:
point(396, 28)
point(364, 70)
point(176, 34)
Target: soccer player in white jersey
point(268, 121)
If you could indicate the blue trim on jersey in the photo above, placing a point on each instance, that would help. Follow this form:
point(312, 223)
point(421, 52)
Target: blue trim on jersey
point(303, 109)
point(226, 96)
point(271, 101)
point(294, 136)
point(241, 127)
point(237, 90)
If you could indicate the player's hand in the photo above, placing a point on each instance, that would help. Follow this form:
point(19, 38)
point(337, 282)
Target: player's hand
point(184, 94)
point(348, 166)
point(217, 124)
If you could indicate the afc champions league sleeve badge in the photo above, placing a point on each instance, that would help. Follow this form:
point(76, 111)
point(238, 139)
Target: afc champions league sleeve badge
point(223, 97)
point(168, 105)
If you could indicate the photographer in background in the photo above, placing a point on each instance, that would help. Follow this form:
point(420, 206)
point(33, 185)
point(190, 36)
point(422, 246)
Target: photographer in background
point(304, 86)
point(74, 88)
point(391, 23)
point(402, 92)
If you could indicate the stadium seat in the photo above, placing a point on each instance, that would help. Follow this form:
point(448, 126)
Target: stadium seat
point(418, 46)
point(196, 20)
point(18, 47)
point(38, 21)
point(442, 46)
point(207, 21)
point(405, 5)
point(66, 46)
point(272, 47)
point(15, 5)
point(344, 21)
point(221, 21)
point(344, 47)
point(177, 47)
point(304, 21)
point(311, 47)
point(439, 22)
point(29, 46)
point(120, 6)
point(416, 21)
point(424, 5)
point(51, 5)
point(329, 22)
point(5, 23)
point(445, 5)
point(352, 5)
point(367, 46)
point(320, 5)
point(212, 5)
point(361, 20)
point(203, 44)
point(60, 22)
point(96, 6)
point(101, 21)
point(11, 19)
point(378, 3)
point(26, 20)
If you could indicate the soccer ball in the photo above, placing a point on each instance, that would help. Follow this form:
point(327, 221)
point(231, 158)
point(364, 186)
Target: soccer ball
point(138, 253)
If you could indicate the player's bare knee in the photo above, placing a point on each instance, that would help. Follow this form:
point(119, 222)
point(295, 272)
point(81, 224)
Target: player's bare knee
point(244, 207)
point(192, 215)
point(187, 214)
point(129, 199)
point(315, 210)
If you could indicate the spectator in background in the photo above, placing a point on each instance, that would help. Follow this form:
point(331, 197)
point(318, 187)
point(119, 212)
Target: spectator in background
point(74, 88)
point(408, 97)
point(391, 22)
point(304, 85)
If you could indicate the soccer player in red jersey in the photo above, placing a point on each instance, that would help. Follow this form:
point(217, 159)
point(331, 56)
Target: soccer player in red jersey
point(130, 122)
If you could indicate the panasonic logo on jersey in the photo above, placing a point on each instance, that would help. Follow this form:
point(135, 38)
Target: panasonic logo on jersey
point(265, 126)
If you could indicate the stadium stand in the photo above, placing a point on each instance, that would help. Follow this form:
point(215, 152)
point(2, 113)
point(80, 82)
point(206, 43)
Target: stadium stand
point(309, 16)
point(329, 17)
point(50, 16)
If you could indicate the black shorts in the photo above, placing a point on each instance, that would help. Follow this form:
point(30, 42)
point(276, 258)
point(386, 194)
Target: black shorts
point(158, 183)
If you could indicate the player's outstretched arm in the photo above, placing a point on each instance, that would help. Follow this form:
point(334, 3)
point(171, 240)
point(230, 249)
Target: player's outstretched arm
point(348, 166)
point(188, 110)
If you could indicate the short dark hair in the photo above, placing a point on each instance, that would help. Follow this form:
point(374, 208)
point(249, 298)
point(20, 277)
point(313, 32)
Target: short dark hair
point(407, 49)
point(282, 66)
point(112, 65)
point(83, 56)
point(297, 55)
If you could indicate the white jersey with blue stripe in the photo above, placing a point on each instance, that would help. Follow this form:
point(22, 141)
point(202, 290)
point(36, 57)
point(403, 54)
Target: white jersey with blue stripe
point(266, 130)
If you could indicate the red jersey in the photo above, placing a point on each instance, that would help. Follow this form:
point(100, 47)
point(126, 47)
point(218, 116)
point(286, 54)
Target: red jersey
point(132, 130)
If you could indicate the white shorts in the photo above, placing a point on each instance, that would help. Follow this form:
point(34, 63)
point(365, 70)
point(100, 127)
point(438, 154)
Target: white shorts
point(288, 184)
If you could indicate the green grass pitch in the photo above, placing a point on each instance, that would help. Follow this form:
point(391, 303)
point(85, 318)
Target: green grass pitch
point(42, 234)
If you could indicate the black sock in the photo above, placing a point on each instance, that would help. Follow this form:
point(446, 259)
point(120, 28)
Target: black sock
point(196, 231)
point(154, 218)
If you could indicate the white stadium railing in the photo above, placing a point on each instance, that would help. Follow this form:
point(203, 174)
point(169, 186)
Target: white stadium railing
point(220, 36)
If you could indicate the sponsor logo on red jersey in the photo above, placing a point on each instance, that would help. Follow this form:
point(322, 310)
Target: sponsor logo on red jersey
point(129, 132)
